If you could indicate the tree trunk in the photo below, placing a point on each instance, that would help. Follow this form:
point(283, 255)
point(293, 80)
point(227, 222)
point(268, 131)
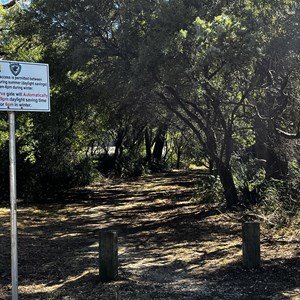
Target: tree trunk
point(118, 152)
point(277, 164)
point(211, 167)
point(159, 143)
point(270, 147)
point(229, 188)
point(148, 147)
point(178, 158)
point(261, 134)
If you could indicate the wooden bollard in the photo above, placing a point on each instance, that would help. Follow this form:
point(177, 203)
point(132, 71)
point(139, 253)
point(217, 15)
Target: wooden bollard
point(108, 255)
point(251, 245)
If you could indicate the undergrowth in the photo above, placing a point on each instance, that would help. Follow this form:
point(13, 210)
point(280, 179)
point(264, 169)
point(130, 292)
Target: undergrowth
point(280, 202)
point(277, 203)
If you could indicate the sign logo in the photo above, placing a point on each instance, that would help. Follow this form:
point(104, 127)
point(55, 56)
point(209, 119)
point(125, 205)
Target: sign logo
point(15, 68)
point(6, 2)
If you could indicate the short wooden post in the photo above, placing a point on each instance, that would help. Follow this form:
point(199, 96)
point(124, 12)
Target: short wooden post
point(108, 255)
point(251, 245)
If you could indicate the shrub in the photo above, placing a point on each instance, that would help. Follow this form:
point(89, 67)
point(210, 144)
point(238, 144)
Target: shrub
point(210, 190)
point(280, 201)
point(43, 183)
point(126, 166)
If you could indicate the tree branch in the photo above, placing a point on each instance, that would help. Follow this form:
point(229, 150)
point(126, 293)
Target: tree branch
point(183, 118)
point(287, 135)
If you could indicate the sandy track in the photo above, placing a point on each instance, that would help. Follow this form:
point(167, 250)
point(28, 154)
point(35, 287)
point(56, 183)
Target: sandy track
point(170, 247)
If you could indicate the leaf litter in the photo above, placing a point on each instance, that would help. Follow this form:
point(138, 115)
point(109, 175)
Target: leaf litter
point(170, 247)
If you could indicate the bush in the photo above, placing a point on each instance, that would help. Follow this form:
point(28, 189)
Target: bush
point(43, 183)
point(280, 201)
point(210, 190)
point(45, 179)
point(125, 166)
point(129, 166)
point(105, 164)
point(248, 178)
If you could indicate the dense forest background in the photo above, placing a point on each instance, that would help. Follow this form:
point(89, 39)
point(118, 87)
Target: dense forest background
point(141, 86)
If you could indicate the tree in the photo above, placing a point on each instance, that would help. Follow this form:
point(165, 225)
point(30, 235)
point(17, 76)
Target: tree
point(134, 66)
point(275, 99)
point(214, 106)
point(56, 135)
point(219, 58)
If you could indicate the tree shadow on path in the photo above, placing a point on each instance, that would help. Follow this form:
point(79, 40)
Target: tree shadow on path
point(170, 247)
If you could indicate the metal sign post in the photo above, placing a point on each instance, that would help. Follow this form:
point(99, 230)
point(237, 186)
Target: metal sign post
point(24, 4)
point(13, 204)
point(24, 87)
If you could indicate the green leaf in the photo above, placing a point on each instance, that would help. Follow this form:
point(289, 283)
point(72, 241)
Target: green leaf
point(183, 33)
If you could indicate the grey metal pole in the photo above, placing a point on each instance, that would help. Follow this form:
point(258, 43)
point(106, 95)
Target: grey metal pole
point(13, 204)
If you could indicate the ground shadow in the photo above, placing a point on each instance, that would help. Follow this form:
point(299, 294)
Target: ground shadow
point(170, 247)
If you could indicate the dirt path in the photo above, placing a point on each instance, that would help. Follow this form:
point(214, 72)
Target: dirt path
point(170, 247)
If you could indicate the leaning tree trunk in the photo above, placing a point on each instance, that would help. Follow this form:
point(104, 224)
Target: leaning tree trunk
point(228, 185)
